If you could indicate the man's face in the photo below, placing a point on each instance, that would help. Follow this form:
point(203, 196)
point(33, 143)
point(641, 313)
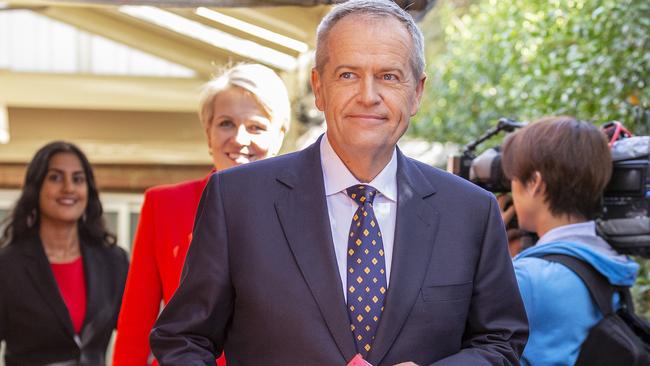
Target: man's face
point(367, 88)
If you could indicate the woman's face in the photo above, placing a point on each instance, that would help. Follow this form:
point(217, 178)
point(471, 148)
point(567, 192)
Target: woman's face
point(64, 193)
point(240, 130)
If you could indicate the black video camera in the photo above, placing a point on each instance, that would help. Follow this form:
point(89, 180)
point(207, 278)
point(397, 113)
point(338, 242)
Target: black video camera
point(625, 221)
point(625, 218)
point(485, 169)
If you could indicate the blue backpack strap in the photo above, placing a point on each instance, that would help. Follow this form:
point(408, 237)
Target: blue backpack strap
point(599, 287)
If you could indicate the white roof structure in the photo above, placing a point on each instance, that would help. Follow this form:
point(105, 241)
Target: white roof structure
point(122, 81)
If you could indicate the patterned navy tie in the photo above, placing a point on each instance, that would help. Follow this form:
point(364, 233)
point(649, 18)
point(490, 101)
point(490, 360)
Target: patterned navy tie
point(366, 269)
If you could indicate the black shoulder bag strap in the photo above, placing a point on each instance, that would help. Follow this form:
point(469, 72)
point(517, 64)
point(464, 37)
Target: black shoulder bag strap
point(599, 287)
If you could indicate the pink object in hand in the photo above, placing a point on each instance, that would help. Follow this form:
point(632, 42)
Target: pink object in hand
point(358, 361)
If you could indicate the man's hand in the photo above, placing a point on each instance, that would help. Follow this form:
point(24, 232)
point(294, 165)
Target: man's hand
point(407, 364)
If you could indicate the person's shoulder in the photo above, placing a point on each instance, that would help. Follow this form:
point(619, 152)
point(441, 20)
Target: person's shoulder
point(540, 281)
point(9, 253)
point(530, 266)
point(262, 168)
point(121, 259)
point(114, 258)
point(115, 254)
point(117, 251)
point(174, 190)
point(542, 273)
point(18, 247)
point(112, 251)
point(444, 181)
point(12, 255)
point(7, 259)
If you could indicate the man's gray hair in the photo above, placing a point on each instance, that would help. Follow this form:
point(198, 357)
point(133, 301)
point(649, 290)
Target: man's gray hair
point(372, 8)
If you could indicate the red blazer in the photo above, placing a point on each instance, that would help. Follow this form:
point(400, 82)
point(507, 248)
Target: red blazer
point(159, 249)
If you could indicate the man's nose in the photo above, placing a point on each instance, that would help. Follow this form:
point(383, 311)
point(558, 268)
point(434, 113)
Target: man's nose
point(369, 94)
point(243, 137)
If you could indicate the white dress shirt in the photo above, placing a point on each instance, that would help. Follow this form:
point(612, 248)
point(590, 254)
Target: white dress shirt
point(341, 207)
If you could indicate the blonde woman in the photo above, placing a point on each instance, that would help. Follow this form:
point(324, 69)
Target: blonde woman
point(245, 113)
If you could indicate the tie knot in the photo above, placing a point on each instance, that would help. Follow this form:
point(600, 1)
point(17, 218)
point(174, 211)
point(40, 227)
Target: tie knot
point(362, 193)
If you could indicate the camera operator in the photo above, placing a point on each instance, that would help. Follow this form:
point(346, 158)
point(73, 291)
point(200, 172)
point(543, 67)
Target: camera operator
point(559, 167)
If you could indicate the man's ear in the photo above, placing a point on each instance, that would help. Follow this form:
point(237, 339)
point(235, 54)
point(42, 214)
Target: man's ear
point(419, 91)
point(207, 135)
point(316, 88)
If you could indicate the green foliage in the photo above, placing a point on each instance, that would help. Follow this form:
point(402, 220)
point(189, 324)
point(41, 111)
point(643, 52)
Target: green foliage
point(527, 59)
point(641, 291)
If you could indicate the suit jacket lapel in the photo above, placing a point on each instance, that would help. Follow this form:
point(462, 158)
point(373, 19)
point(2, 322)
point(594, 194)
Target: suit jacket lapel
point(415, 230)
point(94, 270)
point(304, 218)
point(43, 279)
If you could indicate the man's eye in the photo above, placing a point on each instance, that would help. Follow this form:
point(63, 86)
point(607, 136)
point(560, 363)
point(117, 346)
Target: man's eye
point(389, 77)
point(346, 75)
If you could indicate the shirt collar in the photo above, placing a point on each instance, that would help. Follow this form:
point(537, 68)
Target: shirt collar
point(337, 177)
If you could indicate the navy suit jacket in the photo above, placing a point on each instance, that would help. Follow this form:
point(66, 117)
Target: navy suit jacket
point(261, 281)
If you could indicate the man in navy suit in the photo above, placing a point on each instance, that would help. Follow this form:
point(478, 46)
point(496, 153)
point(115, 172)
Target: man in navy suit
point(348, 248)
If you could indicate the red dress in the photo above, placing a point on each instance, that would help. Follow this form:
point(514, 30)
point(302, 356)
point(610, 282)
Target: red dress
point(159, 249)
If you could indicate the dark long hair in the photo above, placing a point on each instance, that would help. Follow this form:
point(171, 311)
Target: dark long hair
point(24, 220)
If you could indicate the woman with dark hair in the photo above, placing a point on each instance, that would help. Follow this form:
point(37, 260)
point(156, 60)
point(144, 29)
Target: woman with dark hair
point(61, 274)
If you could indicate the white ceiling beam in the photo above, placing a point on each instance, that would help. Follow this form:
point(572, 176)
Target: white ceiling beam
point(191, 14)
point(147, 37)
point(292, 21)
point(74, 91)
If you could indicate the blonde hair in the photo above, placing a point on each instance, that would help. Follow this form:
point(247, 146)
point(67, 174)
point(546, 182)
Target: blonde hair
point(260, 81)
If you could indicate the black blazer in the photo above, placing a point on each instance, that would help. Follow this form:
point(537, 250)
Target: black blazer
point(261, 280)
point(34, 320)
